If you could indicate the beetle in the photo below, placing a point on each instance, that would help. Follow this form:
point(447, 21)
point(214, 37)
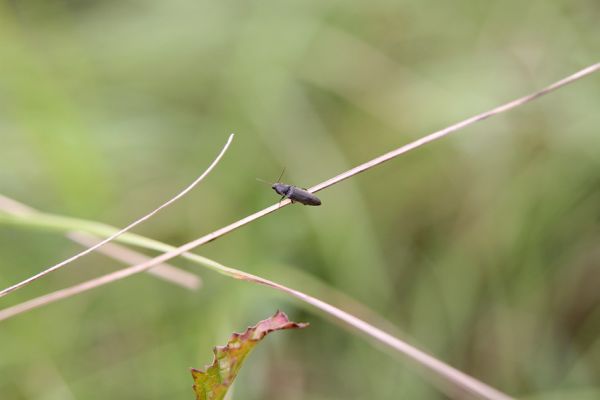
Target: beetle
point(294, 193)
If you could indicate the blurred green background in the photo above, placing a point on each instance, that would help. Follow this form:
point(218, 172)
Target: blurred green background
point(482, 248)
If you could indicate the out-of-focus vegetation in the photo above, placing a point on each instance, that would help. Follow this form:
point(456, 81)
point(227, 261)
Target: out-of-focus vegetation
point(482, 248)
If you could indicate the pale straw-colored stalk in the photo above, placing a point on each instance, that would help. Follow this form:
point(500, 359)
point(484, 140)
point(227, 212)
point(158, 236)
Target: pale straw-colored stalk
point(118, 252)
point(61, 264)
point(450, 374)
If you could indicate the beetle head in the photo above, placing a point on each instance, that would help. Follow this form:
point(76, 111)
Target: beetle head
point(280, 188)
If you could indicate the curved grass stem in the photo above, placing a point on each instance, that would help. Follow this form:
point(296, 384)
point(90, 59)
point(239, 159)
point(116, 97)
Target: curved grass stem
point(61, 264)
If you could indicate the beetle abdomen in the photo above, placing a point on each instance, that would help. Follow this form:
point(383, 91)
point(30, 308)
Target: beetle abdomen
point(304, 197)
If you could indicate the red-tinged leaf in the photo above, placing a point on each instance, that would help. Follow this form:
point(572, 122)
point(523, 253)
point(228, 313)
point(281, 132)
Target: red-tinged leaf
point(219, 376)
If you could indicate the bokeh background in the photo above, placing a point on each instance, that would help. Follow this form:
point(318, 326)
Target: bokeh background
point(481, 249)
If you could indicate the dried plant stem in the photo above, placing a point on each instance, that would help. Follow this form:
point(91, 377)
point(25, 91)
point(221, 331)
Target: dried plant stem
point(451, 374)
point(127, 256)
point(452, 128)
point(165, 271)
point(120, 232)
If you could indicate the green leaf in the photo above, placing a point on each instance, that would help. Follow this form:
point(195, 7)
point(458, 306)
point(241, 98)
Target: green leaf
point(219, 376)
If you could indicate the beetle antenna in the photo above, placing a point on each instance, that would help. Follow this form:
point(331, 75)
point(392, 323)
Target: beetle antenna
point(263, 181)
point(280, 175)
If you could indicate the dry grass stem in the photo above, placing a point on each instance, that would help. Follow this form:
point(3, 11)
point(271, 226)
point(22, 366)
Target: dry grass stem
point(450, 374)
point(120, 232)
point(453, 128)
point(127, 256)
point(165, 272)
point(457, 378)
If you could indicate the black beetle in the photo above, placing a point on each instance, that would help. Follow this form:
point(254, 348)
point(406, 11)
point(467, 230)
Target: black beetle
point(294, 193)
